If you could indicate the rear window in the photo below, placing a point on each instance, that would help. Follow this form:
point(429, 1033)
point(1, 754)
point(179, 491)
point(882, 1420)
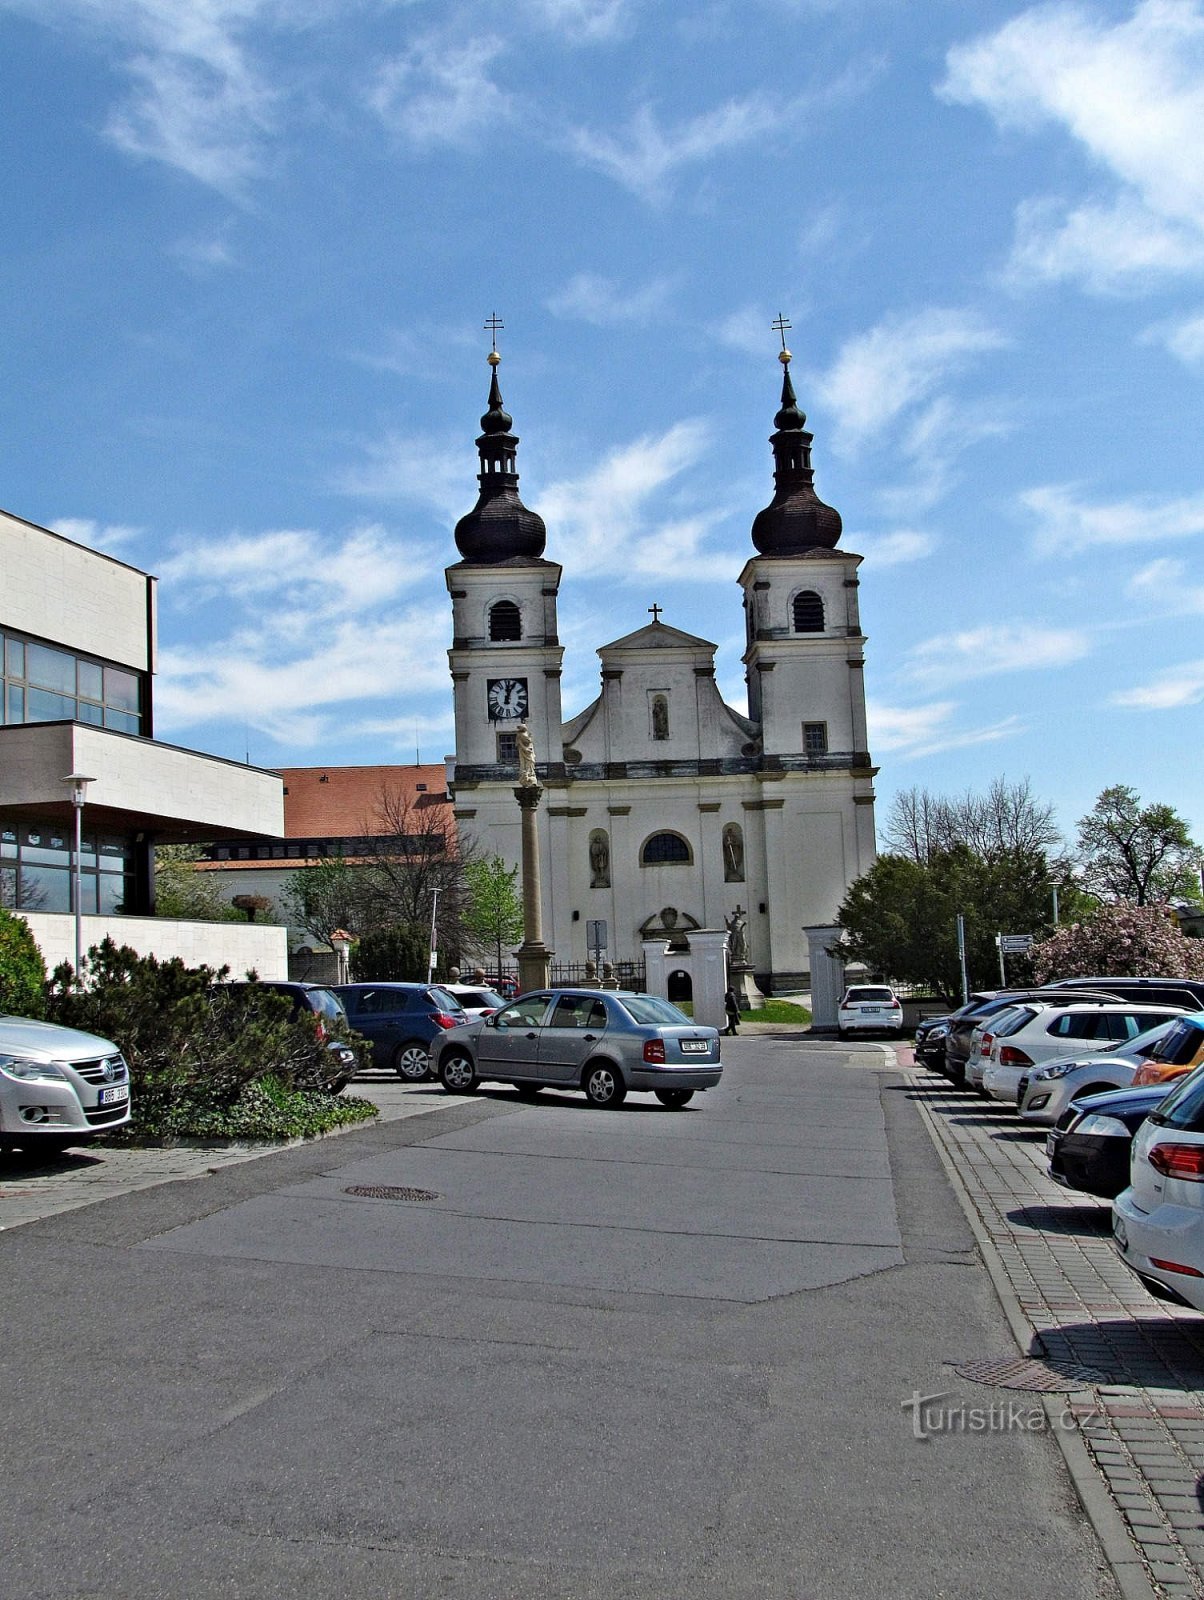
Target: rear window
point(328, 1004)
point(1179, 1047)
point(858, 996)
point(1184, 1105)
point(1004, 1025)
point(480, 998)
point(444, 1001)
point(647, 1009)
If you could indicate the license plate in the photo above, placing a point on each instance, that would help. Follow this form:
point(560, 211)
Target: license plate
point(113, 1097)
point(870, 1011)
point(1119, 1232)
point(695, 1047)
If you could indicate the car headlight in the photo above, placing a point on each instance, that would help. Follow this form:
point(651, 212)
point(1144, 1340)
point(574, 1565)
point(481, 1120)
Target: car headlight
point(1058, 1070)
point(28, 1071)
point(1112, 1126)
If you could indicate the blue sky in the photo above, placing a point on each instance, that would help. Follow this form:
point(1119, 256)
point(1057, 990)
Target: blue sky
point(250, 245)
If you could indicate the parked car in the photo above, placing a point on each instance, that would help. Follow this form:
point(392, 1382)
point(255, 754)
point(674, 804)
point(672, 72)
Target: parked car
point(1045, 1092)
point(964, 1022)
point(1186, 993)
point(1181, 1050)
point(932, 1032)
point(330, 1022)
point(400, 1020)
point(476, 1000)
point(605, 1043)
point(58, 1087)
point(1158, 1221)
point(1090, 1147)
point(869, 1008)
point(1040, 1032)
point(982, 1041)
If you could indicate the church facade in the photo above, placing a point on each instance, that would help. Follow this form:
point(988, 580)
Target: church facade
point(665, 809)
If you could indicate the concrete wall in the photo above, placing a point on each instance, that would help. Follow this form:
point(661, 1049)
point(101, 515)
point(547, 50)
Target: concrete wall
point(67, 594)
point(240, 946)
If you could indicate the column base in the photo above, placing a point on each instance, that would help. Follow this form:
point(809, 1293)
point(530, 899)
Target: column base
point(534, 966)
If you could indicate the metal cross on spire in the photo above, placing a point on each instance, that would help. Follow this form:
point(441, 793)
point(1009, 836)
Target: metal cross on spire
point(782, 325)
point(655, 612)
point(493, 326)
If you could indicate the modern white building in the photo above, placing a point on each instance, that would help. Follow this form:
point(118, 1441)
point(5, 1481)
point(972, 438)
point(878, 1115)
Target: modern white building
point(77, 647)
point(664, 809)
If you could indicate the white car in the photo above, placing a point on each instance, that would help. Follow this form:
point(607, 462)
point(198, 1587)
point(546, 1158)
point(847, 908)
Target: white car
point(1158, 1221)
point(477, 1000)
point(981, 1041)
point(1046, 1091)
point(869, 1008)
point(1040, 1033)
point(58, 1087)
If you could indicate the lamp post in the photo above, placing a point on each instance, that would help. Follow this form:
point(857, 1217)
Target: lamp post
point(432, 952)
point(341, 941)
point(79, 792)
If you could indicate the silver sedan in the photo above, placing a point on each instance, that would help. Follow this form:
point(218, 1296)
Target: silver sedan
point(603, 1042)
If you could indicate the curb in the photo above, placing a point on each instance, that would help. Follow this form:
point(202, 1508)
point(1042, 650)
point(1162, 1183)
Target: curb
point(1109, 1526)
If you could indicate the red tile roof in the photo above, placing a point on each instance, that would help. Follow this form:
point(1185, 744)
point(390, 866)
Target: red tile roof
point(343, 802)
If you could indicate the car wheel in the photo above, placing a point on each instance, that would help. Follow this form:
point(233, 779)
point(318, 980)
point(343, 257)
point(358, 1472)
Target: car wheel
point(457, 1073)
point(843, 1032)
point(675, 1098)
point(528, 1091)
point(411, 1062)
point(603, 1086)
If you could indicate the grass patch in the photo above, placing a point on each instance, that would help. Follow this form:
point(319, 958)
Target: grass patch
point(779, 1011)
point(265, 1110)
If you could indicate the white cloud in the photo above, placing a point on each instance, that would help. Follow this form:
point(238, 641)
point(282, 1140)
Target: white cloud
point(199, 101)
point(109, 537)
point(604, 303)
point(583, 21)
point(891, 549)
point(986, 651)
point(1170, 690)
point(200, 255)
point(1184, 340)
point(880, 375)
point(914, 731)
point(437, 93)
point(645, 156)
point(611, 521)
point(1064, 523)
point(416, 469)
point(1167, 586)
point(1131, 94)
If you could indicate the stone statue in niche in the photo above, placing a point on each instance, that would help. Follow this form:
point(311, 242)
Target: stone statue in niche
point(733, 854)
point(599, 860)
point(660, 717)
point(737, 938)
point(526, 757)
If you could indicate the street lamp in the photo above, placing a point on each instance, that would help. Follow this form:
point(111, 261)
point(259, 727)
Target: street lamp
point(79, 793)
point(341, 943)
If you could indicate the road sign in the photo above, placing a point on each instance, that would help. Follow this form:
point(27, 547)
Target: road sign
point(595, 935)
point(1014, 944)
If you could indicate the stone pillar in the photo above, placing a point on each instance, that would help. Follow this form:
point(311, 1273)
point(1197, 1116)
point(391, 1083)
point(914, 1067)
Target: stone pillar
point(656, 967)
point(827, 975)
point(708, 971)
point(534, 958)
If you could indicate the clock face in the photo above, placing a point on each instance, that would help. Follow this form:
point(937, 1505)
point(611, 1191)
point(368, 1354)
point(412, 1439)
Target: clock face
point(507, 699)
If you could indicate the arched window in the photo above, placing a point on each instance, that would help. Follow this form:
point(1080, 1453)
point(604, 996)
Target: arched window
point(808, 612)
point(662, 848)
point(505, 620)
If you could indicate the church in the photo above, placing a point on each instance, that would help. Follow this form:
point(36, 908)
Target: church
point(664, 809)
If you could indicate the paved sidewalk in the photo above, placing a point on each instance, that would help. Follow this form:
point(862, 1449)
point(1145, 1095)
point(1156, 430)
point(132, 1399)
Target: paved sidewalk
point(31, 1189)
point(1143, 1419)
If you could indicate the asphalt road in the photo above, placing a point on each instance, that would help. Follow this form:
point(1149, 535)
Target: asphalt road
point(636, 1353)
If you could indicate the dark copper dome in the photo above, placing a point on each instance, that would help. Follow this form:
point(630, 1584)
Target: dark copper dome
point(796, 519)
point(499, 527)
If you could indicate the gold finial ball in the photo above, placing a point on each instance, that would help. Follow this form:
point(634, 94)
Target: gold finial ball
point(785, 357)
point(493, 358)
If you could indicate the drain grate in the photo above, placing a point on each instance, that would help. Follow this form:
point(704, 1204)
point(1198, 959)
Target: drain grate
point(1047, 1374)
point(389, 1191)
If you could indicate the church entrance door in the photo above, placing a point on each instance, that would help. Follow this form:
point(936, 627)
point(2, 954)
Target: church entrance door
point(680, 986)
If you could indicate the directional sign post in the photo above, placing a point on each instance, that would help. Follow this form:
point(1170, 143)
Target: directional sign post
point(1011, 944)
point(595, 937)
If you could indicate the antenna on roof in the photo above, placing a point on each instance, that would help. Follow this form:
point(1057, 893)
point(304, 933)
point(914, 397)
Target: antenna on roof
point(417, 751)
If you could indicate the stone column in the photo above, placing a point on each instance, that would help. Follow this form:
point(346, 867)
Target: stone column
point(708, 948)
point(534, 958)
point(827, 975)
point(656, 967)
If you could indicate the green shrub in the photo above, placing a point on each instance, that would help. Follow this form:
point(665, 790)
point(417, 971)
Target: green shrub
point(22, 970)
point(195, 1050)
point(264, 1110)
point(395, 954)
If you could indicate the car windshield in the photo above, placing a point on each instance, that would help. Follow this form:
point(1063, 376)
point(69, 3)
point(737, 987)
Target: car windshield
point(646, 1008)
point(478, 998)
point(1142, 1045)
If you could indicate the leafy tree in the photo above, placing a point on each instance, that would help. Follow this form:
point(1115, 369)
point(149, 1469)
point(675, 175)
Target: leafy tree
point(185, 892)
point(1145, 854)
point(493, 916)
point(22, 970)
point(391, 955)
point(1115, 941)
point(325, 897)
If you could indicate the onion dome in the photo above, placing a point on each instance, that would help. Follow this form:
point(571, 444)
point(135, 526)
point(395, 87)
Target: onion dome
point(796, 519)
point(499, 527)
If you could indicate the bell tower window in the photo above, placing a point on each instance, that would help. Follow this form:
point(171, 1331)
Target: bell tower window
point(808, 612)
point(505, 621)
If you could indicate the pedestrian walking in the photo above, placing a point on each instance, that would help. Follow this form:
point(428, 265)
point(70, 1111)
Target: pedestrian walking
point(732, 1006)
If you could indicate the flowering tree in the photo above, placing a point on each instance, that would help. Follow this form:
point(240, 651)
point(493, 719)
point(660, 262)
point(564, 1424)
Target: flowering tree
point(1122, 940)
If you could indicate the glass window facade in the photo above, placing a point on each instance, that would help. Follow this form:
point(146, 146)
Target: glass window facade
point(45, 684)
point(35, 870)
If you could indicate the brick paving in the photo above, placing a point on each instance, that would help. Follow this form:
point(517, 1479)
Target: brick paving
point(1143, 1422)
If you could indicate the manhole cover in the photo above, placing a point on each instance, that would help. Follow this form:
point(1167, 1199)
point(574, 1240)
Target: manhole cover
point(389, 1191)
point(1028, 1372)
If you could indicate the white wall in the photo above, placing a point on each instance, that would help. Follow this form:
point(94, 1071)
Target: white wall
point(240, 946)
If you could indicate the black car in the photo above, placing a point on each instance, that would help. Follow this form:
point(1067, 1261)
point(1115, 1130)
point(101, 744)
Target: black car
point(1089, 1147)
point(330, 1022)
point(400, 1020)
point(963, 1023)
